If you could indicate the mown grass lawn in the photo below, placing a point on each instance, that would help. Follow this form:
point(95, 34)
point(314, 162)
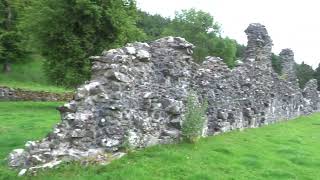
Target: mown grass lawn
point(288, 150)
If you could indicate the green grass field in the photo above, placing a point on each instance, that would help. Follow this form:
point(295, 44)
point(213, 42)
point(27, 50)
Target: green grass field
point(287, 150)
point(29, 75)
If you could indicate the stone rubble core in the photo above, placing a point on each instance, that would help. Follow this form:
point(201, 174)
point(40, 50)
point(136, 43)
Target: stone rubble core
point(137, 97)
point(288, 67)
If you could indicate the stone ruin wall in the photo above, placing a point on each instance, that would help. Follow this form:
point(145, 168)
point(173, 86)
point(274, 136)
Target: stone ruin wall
point(16, 94)
point(137, 95)
point(288, 67)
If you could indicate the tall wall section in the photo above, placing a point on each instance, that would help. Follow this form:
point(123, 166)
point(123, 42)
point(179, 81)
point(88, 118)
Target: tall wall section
point(137, 95)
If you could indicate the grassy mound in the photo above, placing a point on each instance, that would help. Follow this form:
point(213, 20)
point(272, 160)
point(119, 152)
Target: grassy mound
point(287, 150)
point(29, 75)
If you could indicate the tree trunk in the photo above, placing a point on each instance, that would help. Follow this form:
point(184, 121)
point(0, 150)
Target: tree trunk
point(6, 67)
point(6, 64)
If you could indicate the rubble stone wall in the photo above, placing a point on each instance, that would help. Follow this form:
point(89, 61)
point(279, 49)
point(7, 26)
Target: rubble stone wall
point(13, 94)
point(137, 95)
point(288, 67)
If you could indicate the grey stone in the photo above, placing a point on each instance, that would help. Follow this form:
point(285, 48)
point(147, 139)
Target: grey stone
point(22, 172)
point(173, 133)
point(143, 55)
point(259, 45)
point(130, 50)
point(288, 66)
point(17, 158)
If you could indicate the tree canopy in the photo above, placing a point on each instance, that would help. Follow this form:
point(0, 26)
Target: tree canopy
point(152, 25)
point(11, 48)
point(69, 32)
point(304, 73)
point(199, 28)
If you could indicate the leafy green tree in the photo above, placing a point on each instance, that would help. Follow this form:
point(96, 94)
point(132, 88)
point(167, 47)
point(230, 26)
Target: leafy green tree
point(226, 49)
point(304, 73)
point(10, 37)
point(69, 32)
point(152, 25)
point(276, 64)
point(199, 28)
point(317, 75)
point(240, 51)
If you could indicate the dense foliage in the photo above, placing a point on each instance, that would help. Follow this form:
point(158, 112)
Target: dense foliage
point(199, 28)
point(152, 25)
point(69, 32)
point(240, 50)
point(304, 74)
point(276, 63)
point(317, 75)
point(11, 47)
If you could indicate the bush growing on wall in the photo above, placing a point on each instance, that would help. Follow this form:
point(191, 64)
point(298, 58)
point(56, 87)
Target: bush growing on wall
point(194, 118)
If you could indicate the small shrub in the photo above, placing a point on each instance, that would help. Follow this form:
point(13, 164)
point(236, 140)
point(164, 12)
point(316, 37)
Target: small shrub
point(195, 117)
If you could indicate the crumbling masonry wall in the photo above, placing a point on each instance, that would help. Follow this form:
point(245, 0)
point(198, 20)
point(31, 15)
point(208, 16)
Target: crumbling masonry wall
point(137, 95)
point(16, 94)
point(288, 67)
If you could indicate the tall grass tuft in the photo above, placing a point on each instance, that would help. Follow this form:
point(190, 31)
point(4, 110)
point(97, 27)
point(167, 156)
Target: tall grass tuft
point(195, 117)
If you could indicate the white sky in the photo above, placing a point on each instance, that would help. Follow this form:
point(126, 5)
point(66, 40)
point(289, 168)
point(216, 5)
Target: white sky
point(291, 24)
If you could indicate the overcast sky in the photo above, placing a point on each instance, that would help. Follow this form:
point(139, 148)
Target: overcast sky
point(291, 24)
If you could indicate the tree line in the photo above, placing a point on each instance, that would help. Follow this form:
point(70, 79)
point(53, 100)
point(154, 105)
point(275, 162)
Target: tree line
point(67, 33)
point(304, 71)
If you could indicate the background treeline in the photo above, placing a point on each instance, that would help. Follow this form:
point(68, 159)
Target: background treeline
point(67, 33)
point(304, 71)
point(197, 27)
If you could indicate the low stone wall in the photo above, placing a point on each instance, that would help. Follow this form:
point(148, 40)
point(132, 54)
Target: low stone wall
point(15, 94)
